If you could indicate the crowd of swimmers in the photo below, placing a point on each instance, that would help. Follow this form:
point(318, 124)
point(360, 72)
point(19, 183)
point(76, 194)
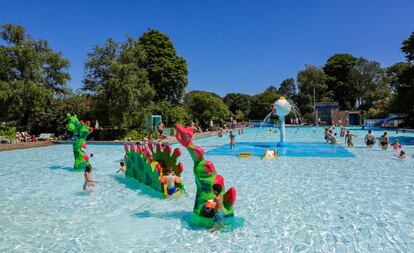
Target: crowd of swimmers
point(370, 140)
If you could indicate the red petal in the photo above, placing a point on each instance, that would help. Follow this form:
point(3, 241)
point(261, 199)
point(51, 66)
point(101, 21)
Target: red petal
point(177, 152)
point(180, 168)
point(168, 149)
point(219, 180)
point(230, 195)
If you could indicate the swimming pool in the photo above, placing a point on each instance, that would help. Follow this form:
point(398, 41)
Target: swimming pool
point(362, 203)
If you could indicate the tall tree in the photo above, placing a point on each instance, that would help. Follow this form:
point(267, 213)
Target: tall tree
point(337, 68)
point(369, 82)
point(206, 106)
point(116, 77)
point(238, 102)
point(31, 74)
point(312, 86)
point(401, 76)
point(287, 88)
point(408, 47)
point(262, 103)
point(167, 71)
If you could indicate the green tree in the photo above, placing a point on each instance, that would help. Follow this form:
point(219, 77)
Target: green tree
point(206, 106)
point(54, 118)
point(262, 103)
point(369, 82)
point(401, 77)
point(238, 102)
point(171, 114)
point(311, 84)
point(116, 77)
point(408, 47)
point(31, 74)
point(337, 68)
point(167, 71)
point(287, 88)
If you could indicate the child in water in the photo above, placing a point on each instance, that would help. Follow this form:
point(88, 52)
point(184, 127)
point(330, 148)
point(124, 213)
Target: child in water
point(402, 154)
point(333, 139)
point(89, 181)
point(122, 168)
point(232, 140)
point(218, 208)
point(170, 180)
point(348, 139)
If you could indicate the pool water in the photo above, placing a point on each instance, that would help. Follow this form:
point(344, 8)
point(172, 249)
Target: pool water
point(362, 203)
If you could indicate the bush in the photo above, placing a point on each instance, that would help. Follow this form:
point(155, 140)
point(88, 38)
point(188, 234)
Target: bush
point(134, 135)
point(9, 132)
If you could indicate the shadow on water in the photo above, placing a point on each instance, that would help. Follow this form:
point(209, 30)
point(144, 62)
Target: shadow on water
point(58, 167)
point(133, 184)
point(190, 222)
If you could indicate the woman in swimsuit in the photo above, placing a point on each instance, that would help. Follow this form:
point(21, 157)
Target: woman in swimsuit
point(89, 181)
point(370, 139)
point(384, 140)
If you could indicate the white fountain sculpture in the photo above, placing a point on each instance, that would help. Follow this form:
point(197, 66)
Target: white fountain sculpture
point(282, 108)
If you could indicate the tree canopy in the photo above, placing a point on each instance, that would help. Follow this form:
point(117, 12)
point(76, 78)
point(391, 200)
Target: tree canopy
point(205, 106)
point(337, 69)
point(408, 47)
point(167, 71)
point(262, 103)
point(288, 88)
point(118, 80)
point(31, 75)
point(238, 103)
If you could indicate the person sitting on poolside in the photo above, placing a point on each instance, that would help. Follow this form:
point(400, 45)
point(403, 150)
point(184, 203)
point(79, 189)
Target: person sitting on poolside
point(170, 180)
point(122, 168)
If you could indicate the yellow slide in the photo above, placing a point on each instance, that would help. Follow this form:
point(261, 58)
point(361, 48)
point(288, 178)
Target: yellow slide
point(269, 154)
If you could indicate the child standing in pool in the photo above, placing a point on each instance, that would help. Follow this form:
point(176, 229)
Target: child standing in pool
point(348, 139)
point(89, 181)
point(218, 209)
point(333, 139)
point(232, 140)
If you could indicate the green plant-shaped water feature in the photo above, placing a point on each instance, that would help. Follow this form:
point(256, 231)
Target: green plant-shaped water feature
point(148, 164)
point(80, 131)
point(205, 177)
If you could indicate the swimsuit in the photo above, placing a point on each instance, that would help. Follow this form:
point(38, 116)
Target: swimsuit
point(370, 140)
point(87, 186)
point(218, 216)
point(171, 190)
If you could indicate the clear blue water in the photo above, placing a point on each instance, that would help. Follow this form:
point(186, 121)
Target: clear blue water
point(363, 203)
point(300, 149)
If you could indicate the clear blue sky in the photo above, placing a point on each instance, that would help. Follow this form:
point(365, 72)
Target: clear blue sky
point(230, 46)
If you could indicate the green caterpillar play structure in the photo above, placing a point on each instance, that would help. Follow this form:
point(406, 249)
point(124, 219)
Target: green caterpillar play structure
point(148, 165)
point(205, 177)
point(80, 132)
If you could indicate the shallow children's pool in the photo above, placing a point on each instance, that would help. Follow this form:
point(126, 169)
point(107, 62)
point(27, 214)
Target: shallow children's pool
point(360, 203)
